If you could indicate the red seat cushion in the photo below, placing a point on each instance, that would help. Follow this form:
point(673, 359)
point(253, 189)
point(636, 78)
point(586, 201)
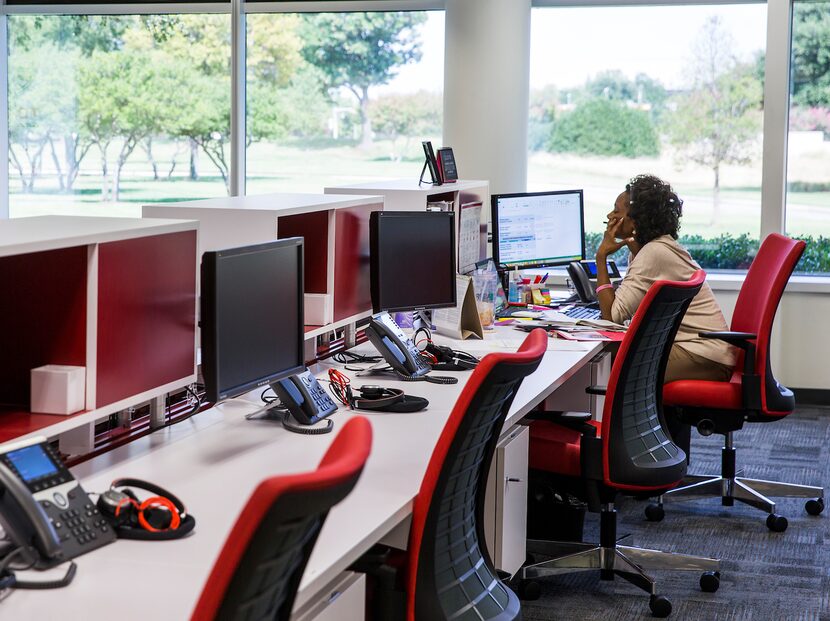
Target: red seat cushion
point(555, 448)
point(705, 394)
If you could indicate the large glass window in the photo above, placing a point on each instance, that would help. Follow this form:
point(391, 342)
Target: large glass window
point(674, 91)
point(341, 98)
point(107, 113)
point(808, 157)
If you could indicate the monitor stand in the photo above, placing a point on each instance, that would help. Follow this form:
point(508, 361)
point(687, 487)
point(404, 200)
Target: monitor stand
point(420, 320)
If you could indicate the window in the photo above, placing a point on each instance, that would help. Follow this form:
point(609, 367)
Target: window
point(107, 113)
point(671, 90)
point(808, 152)
point(341, 98)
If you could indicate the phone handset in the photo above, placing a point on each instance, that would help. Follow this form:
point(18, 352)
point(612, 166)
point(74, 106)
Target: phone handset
point(26, 522)
point(583, 275)
point(397, 349)
point(306, 400)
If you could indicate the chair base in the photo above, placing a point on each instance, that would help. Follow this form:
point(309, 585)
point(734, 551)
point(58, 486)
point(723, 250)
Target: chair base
point(731, 487)
point(614, 560)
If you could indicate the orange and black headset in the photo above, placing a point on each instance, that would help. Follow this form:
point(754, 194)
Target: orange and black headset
point(159, 517)
point(443, 358)
point(377, 398)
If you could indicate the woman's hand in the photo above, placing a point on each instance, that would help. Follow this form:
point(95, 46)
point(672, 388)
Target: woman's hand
point(610, 244)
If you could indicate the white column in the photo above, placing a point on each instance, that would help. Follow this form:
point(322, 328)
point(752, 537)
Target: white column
point(776, 117)
point(4, 117)
point(486, 90)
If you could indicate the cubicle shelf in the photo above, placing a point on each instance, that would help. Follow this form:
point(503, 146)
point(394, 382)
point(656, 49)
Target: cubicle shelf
point(114, 295)
point(409, 195)
point(336, 247)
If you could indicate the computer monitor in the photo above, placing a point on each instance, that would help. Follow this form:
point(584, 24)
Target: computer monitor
point(252, 316)
point(538, 229)
point(412, 260)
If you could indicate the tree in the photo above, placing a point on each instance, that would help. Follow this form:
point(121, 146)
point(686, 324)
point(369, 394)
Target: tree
point(811, 54)
point(718, 120)
point(357, 51)
point(406, 115)
point(603, 127)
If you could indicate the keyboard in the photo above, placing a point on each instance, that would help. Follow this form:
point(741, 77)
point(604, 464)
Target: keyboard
point(583, 312)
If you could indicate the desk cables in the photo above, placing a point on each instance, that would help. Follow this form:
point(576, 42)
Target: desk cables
point(373, 398)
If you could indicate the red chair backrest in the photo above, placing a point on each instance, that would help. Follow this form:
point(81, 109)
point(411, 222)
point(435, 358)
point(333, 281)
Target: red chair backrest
point(447, 569)
point(259, 568)
point(637, 452)
point(758, 300)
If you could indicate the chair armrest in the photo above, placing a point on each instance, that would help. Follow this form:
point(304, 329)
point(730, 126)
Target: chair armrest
point(596, 390)
point(751, 378)
point(739, 339)
point(578, 421)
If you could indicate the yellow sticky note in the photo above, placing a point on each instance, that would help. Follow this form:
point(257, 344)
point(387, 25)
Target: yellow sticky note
point(538, 298)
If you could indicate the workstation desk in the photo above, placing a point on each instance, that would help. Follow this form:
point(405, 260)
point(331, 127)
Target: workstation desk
point(214, 460)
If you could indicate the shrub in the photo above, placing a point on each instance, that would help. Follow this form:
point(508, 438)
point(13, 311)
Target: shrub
point(604, 127)
point(727, 252)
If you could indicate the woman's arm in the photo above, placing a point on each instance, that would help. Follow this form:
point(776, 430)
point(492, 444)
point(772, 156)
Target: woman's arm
point(608, 246)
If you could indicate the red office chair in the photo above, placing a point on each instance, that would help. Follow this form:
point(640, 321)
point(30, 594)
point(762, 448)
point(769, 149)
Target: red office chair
point(752, 395)
point(629, 452)
point(259, 568)
point(445, 573)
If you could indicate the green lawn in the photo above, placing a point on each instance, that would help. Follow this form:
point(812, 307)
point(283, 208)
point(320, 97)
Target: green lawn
point(296, 168)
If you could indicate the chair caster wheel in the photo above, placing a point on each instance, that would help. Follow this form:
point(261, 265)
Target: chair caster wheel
point(655, 513)
point(710, 581)
point(528, 590)
point(814, 506)
point(660, 606)
point(776, 523)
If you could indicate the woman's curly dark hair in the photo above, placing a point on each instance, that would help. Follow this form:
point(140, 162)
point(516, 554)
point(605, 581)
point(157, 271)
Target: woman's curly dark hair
point(653, 207)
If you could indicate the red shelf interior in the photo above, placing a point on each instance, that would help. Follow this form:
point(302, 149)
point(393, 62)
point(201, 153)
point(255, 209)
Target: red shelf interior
point(352, 294)
point(314, 229)
point(15, 422)
point(43, 315)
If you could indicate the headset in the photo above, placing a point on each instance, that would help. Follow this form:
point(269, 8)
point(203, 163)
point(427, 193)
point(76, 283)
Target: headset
point(373, 398)
point(444, 358)
point(161, 517)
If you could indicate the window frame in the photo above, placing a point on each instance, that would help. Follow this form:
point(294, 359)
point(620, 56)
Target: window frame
point(776, 81)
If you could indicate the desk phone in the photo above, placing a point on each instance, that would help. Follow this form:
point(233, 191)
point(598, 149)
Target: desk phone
point(397, 349)
point(43, 509)
point(304, 397)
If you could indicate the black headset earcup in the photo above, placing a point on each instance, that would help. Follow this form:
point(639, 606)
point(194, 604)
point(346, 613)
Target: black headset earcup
point(408, 404)
point(158, 517)
point(187, 525)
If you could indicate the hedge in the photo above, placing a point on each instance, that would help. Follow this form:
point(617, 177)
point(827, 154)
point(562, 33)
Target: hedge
point(728, 252)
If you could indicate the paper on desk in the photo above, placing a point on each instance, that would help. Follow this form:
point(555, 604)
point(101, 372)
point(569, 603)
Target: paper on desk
point(469, 237)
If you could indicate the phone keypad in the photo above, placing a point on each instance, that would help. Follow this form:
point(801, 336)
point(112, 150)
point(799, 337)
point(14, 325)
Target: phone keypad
point(325, 404)
point(420, 362)
point(80, 527)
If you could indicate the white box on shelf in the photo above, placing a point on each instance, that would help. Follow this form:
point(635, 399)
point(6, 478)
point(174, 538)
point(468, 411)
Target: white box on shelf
point(58, 389)
point(319, 309)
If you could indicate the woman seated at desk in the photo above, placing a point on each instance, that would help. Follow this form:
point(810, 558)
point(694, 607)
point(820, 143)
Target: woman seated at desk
point(646, 218)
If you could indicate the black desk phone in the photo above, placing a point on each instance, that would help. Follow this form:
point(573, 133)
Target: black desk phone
point(397, 349)
point(583, 275)
point(43, 509)
point(304, 397)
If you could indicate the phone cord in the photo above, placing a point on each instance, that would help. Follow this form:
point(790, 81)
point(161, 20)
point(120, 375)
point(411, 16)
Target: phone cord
point(289, 424)
point(432, 379)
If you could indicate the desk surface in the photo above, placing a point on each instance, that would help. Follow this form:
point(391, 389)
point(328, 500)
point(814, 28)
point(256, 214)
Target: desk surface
point(214, 460)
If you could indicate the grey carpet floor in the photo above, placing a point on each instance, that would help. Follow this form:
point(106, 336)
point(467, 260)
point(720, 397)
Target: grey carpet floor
point(764, 575)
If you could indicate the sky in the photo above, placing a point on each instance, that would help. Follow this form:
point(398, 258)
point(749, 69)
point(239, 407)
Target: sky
point(569, 45)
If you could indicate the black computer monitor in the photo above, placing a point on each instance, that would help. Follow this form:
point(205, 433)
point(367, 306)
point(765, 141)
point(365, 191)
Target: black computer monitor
point(538, 229)
point(412, 262)
point(252, 316)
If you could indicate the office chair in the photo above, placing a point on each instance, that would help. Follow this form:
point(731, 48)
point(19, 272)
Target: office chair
point(445, 572)
point(629, 452)
point(752, 395)
point(259, 568)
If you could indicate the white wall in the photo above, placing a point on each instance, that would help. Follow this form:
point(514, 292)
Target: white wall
point(487, 90)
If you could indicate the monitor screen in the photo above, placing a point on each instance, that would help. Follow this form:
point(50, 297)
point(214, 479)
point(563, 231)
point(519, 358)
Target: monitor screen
point(252, 316)
point(412, 260)
point(538, 229)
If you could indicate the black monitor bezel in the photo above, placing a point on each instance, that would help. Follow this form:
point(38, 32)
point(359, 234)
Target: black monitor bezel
point(374, 268)
point(494, 220)
point(210, 356)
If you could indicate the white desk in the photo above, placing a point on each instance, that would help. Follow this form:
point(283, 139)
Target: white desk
point(214, 460)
